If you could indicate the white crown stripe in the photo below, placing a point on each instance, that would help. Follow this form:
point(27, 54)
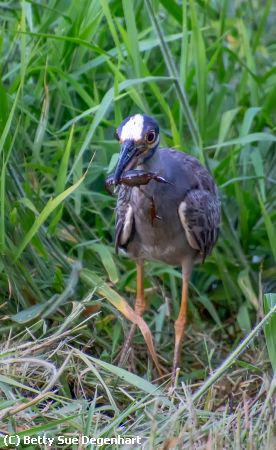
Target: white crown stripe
point(133, 129)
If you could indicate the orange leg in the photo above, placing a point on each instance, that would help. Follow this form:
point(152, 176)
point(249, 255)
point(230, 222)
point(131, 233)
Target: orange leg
point(179, 325)
point(140, 306)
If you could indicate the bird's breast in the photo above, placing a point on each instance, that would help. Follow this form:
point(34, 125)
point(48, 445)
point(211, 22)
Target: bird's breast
point(158, 232)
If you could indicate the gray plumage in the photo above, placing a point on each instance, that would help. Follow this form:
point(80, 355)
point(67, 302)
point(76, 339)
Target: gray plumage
point(188, 207)
point(167, 210)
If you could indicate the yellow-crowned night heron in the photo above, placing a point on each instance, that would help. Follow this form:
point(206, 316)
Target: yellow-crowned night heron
point(167, 210)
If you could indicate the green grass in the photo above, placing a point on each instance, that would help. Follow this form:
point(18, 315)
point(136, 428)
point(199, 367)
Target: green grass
point(70, 72)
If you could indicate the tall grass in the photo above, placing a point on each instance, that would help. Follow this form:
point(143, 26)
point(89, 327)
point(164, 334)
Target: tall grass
point(70, 72)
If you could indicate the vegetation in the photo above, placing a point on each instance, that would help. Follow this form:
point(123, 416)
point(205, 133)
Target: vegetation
point(70, 72)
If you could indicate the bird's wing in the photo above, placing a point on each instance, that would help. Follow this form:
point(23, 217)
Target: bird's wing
point(200, 215)
point(124, 217)
point(199, 212)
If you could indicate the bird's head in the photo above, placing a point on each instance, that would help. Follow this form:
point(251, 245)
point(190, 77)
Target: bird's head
point(139, 138)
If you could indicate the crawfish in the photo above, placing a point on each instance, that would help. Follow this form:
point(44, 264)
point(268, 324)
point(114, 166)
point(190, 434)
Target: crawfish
point(134, 178)
point(138, 178)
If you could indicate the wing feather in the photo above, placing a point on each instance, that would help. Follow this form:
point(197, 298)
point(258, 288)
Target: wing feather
point(199, 214)
point(124, 217)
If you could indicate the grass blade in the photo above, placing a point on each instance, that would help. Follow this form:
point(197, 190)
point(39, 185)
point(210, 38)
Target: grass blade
point(270, 328)
point(51, 205)
point(116, 300)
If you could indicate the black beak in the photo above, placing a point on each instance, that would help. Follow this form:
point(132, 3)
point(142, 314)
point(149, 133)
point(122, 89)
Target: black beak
point(127, 159)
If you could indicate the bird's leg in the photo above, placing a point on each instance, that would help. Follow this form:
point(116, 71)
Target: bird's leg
point(140, 306)
point(179, 325)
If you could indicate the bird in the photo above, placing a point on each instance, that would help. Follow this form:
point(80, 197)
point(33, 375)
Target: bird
point(175, 221)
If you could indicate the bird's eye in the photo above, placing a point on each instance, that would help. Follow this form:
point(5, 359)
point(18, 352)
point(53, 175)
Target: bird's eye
point(116, 135)
point(150, 137)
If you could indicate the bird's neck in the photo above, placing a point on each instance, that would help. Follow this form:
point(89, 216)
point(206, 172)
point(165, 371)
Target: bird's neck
point(150, 160)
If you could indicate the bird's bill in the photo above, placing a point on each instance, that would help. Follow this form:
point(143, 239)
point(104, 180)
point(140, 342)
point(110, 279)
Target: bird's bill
point(128, 158)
